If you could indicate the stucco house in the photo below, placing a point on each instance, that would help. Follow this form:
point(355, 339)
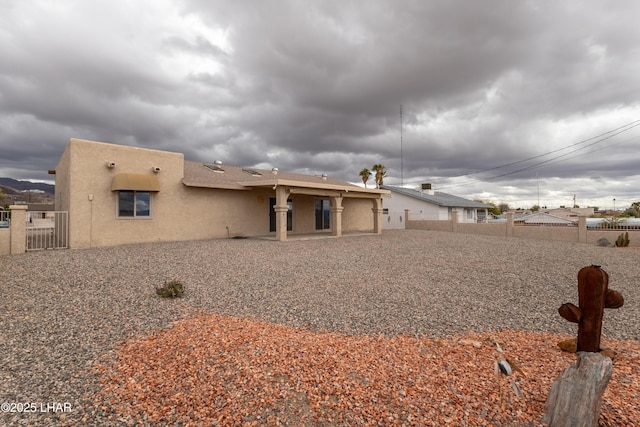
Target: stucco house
point(428, 204)
point(118, 195)
point(541, 218)
point(570, 213)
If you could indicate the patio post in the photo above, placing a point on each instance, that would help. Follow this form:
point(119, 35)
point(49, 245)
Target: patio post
point(281, 209)
point(377, 215)
point(336, 216)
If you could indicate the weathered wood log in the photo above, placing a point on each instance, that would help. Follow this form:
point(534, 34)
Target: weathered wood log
point(576, 396)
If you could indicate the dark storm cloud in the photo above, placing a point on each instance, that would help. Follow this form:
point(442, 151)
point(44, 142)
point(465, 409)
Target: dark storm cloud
point(316, 87)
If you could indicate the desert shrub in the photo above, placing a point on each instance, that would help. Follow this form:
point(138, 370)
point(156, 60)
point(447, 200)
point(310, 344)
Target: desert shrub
point(171, 289)
point(623, 240)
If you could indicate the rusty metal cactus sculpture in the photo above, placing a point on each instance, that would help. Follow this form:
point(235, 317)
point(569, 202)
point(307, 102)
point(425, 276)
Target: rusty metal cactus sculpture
point(594, 296)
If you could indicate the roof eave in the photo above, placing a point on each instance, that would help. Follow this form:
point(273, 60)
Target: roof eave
point(315, 185)
point(219, 186)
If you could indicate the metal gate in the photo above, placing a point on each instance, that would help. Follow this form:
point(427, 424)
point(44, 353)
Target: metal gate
point(47, 230)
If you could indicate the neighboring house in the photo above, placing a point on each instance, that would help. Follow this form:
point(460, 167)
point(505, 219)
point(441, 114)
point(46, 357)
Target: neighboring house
point(536, 218)
point(543, 218)
point(118, 194)
point(430, 205)
point(570, 213)
point(40, 214)
point(40, 207)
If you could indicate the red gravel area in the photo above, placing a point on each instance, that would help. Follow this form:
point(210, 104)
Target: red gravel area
point(221, 370)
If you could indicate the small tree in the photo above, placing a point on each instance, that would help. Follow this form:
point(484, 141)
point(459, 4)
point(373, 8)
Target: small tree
point(492, 207)
point(365, 174)
point(503, 207)
point(381, 172)
point(633, 210)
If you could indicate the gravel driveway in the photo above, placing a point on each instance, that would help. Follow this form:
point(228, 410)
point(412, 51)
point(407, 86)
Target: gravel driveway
point(63, 310)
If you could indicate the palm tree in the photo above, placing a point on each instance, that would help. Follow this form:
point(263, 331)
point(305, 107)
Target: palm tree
point(381, 172)
point(365, 174)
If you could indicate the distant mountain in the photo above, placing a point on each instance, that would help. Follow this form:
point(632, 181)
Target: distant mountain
point(19, 190)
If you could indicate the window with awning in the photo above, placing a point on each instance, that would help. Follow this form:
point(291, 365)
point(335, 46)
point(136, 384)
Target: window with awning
point(134, 194)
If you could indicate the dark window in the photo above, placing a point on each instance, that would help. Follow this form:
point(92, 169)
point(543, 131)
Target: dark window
point(323, 214)
point(134, 204)
point(272, 215)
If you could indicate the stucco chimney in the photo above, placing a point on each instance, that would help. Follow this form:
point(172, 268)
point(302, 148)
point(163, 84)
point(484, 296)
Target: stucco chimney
point(428, 189)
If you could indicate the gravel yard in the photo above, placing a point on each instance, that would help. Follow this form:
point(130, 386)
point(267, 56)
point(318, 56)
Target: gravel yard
point(64, 311)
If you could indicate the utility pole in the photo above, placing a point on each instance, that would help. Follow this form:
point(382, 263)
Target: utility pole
point(401, 162)
point(538, 179)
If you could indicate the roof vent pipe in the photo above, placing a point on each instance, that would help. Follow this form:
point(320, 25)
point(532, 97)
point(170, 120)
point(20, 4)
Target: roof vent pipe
point(324, 176)
point(274, 171)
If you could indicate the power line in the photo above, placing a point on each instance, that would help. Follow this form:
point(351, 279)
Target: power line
point(597, 149)
point(558, 157)
point(554, 160)
point(612, 133)
point(629, 125)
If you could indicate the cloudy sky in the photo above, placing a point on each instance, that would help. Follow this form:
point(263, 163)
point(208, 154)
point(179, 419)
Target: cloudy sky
point(506, 101)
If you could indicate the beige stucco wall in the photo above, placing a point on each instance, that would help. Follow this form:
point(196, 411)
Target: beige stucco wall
point(303, 214)
point(567, 234)
point(433, 225)
point(483, 229)
point(178, 212)
point(204, 213)
point(83, 187)
point(13, 240)
point(524, 232)
point(594, 235)
point(5, 241)
point(357, 215)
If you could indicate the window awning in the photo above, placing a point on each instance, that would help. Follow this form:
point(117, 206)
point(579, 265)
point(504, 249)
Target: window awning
point(135, 182)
